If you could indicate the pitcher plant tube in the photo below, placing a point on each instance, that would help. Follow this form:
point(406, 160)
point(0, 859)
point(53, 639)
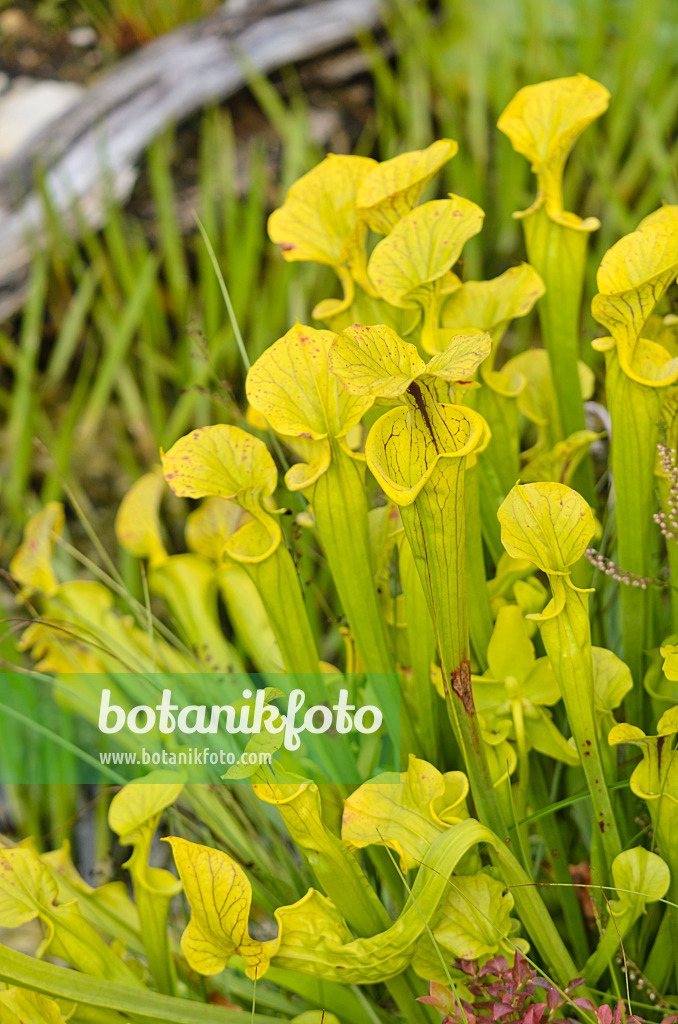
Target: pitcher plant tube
point(641, 359)
point(551, 525)
point(543, 122)
point(417, 453)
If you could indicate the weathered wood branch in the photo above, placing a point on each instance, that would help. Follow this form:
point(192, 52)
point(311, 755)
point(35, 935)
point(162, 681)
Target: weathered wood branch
point(92, 149)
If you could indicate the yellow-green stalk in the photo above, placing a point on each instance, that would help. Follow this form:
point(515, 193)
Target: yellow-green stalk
point(551, 525)
point(417, 452)
point(543, 123)
point(632, 278)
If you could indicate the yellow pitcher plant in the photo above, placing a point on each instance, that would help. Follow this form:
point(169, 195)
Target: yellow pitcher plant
point(417, 453)
point(551, 526)
point(641, 361)
point(543, 122)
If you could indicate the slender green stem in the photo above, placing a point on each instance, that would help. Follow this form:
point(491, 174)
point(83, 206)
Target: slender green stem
point(558, 254)
point(567, 639)
point(422, 644)
point(278, 584)
point(549, 826)
point(248, 617)
point(481, 623)
point(340, 507)
point(635, 412)
point(520, 797)
point(435, 528)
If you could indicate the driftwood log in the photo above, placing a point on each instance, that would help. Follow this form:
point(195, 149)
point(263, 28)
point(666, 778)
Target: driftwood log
point(91, 151)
